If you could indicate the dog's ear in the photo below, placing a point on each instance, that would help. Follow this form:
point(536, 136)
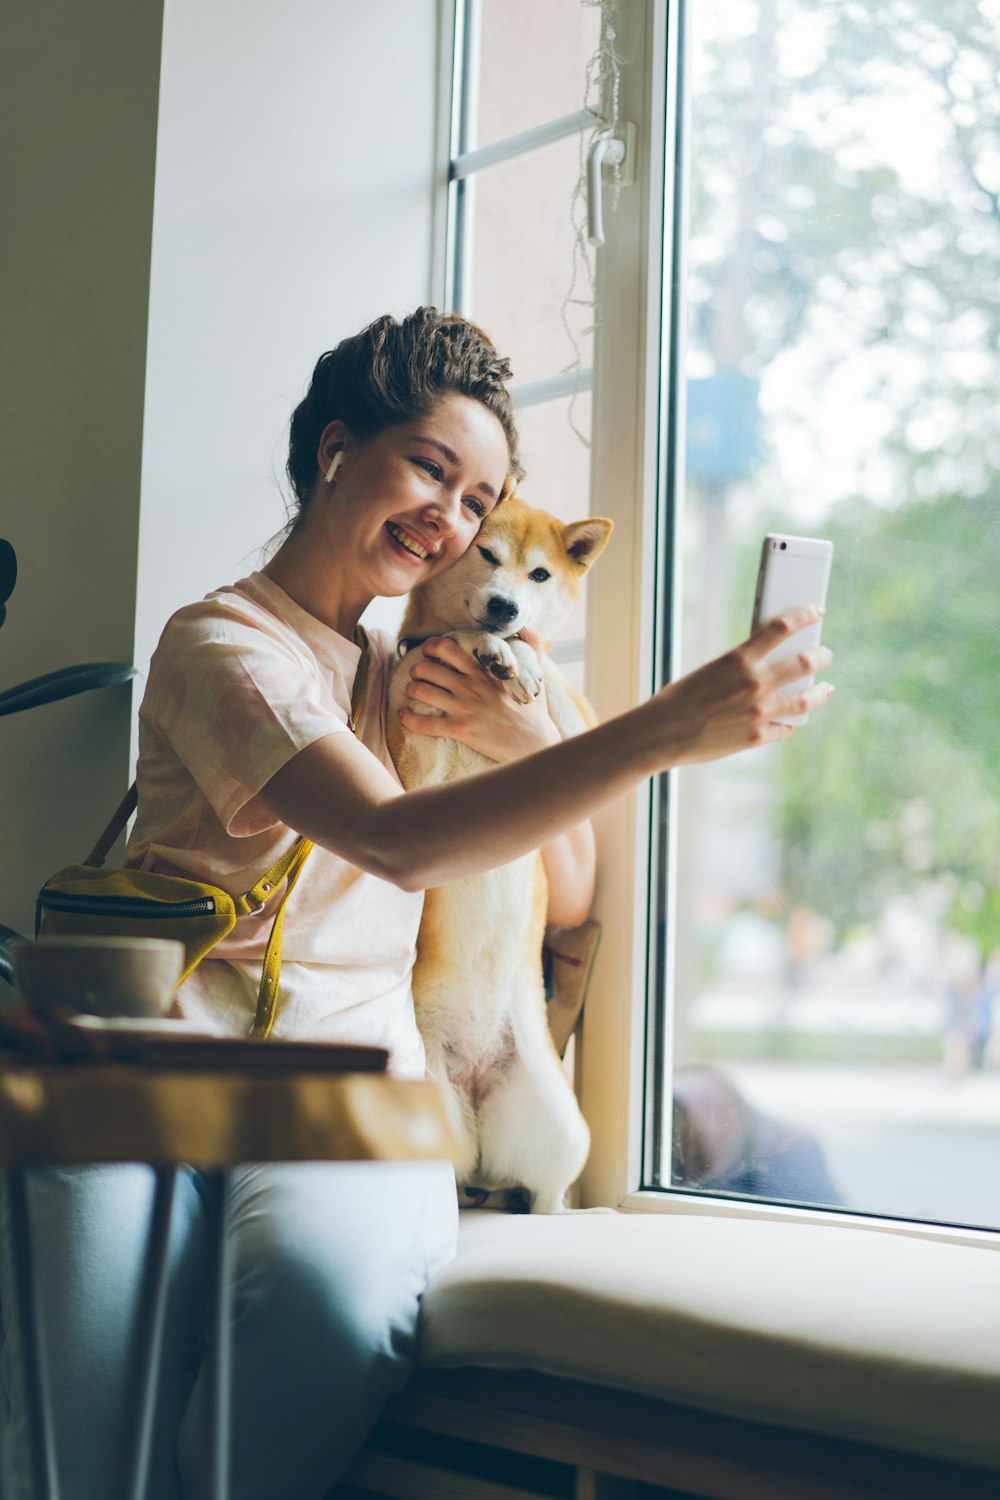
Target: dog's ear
point(586, 540)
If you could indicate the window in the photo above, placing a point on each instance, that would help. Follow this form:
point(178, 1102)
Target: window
point(518, 128)
point(799, 331)
point(512, 80)
point(834, 945)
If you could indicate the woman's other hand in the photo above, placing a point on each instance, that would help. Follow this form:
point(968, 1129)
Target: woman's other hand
point(474, 707)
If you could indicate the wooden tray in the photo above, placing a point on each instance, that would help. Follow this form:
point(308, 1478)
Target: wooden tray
point(24, 1042)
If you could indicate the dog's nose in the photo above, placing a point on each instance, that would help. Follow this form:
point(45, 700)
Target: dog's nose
point(501, 610)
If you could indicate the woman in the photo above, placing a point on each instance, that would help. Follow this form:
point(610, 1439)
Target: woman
point(403, 443)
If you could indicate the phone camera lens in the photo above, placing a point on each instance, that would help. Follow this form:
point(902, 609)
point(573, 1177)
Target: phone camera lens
point(783, 546)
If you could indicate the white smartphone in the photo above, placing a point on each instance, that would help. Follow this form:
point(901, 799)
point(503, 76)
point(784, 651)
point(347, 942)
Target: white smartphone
point(793, 570)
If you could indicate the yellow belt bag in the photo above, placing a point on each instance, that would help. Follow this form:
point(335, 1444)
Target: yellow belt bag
point(87, 900)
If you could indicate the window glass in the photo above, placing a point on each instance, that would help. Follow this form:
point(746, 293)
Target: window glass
point(554, 437)
point(533, 63)
point(525, 275)
point(522, 261)
point(558, 471)
point(836, 1036)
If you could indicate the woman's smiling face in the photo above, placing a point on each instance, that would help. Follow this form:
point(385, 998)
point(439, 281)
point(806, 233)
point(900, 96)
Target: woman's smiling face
point(408, 502)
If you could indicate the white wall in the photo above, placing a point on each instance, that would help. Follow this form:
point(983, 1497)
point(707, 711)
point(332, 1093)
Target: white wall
point(78, 91)
point(293, 146)
point(293, 204)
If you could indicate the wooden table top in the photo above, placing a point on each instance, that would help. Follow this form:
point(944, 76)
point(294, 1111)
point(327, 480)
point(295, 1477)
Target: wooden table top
point(214, 1107)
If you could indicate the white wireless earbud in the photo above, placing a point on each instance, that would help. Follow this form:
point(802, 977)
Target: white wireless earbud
point(335, 464)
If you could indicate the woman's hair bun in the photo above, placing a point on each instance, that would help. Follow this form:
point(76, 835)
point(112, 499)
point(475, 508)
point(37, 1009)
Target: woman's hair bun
point(391, 372)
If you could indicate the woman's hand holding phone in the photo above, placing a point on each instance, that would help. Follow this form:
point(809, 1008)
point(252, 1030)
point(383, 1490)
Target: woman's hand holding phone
point(793, 570)
point(736, 701)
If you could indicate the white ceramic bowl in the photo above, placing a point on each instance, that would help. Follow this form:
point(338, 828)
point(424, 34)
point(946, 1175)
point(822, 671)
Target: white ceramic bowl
point(101, 976)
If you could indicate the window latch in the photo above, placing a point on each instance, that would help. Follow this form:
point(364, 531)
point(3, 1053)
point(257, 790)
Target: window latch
point(612, 148)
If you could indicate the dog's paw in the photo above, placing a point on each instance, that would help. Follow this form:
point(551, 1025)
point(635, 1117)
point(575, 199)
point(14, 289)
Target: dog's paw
point(529, 673)
point(495, 655)
point(513, 662)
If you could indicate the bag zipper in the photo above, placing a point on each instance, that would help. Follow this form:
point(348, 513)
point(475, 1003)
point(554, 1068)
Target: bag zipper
point(126, 906)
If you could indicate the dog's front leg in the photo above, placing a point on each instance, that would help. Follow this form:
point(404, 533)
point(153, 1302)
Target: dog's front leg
point(420, 760)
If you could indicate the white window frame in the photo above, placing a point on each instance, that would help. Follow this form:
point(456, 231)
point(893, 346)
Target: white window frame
point(638, 444)
point(621, 665)
point(627, 483)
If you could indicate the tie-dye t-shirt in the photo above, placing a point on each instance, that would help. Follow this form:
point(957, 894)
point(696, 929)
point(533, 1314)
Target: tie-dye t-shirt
point(238, 684)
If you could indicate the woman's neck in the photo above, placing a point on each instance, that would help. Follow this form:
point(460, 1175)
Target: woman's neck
point(315, 583)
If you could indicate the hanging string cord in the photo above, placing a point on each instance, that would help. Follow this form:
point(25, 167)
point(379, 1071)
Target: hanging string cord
point(601, 95)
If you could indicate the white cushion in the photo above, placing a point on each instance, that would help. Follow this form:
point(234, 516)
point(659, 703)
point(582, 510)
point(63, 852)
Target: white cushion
point(860, 1334)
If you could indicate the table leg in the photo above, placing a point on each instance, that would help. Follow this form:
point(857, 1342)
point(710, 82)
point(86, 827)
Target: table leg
point(220, 1348)
point(41, 1436)
point(149, 1335)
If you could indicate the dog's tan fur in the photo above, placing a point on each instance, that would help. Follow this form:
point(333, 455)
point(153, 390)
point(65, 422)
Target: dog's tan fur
point(477, 984)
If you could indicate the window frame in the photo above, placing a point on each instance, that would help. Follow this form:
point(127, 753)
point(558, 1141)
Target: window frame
point(628, 474)
point(637, 479)
point(626, 483)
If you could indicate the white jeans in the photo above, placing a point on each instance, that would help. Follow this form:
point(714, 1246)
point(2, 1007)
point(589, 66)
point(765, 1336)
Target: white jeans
point(330, 1261)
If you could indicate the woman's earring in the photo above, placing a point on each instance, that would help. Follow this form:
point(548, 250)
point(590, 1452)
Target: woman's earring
point(335, 464)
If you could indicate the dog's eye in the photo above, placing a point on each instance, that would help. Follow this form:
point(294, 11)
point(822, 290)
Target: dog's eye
point(539, 575)
point(493, 561)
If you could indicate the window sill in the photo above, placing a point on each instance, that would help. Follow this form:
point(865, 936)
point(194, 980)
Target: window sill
point(703, 1205)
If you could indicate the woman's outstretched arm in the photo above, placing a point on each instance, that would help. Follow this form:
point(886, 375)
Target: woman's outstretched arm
point(337, 794)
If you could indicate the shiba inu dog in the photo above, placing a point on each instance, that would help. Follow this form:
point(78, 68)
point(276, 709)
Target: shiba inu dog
point(477, 984)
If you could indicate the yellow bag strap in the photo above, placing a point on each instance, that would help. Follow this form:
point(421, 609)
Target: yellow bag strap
point(267, 995)
point(289, 868)
point(119, 818)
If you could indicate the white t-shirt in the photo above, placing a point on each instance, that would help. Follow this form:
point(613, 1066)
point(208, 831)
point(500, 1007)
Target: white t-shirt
point(240, 683)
